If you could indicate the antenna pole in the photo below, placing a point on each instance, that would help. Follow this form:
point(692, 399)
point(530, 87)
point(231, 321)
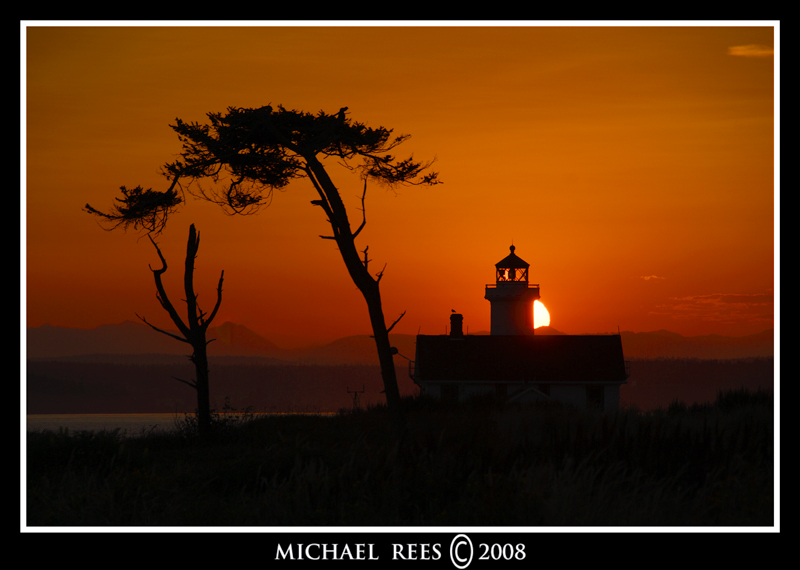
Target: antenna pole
point(355, 394)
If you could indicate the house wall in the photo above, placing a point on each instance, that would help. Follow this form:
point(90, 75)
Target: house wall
point(433, 390)
point(573, 394)
point(611, 398)
point(470, 390)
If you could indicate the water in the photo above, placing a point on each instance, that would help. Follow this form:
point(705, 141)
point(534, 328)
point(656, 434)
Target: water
point(130, 424)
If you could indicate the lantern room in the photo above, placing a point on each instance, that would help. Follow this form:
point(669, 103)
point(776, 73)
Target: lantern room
point(512, 268)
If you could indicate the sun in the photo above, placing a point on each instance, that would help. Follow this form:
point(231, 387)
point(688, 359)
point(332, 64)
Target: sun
point(541, 318)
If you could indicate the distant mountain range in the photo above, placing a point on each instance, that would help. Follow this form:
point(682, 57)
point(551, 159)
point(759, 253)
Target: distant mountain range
point(131, 339)
point(232, 340)
point(664, 343)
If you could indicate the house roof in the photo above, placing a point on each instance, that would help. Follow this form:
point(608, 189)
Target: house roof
point(500, 358)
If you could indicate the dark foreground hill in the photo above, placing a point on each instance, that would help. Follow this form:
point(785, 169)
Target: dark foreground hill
point(471, 465)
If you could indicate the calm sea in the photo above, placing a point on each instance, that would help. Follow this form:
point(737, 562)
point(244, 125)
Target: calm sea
point(131, 424)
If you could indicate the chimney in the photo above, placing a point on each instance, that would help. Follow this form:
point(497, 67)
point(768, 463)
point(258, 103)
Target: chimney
point(456, 322)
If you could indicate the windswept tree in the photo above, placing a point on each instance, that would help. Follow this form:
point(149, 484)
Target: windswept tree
point(193, 331)
point(248, 153)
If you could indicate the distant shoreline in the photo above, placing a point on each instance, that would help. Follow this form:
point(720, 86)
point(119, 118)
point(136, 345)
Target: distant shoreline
point(130, 423)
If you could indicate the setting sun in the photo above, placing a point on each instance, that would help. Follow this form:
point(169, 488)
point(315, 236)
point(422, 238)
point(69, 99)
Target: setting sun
point(541, 317)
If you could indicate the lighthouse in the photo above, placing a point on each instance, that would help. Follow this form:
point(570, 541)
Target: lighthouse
point(512, 297)
point(514, 365)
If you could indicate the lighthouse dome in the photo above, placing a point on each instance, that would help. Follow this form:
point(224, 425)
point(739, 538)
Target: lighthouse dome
point(512, 261)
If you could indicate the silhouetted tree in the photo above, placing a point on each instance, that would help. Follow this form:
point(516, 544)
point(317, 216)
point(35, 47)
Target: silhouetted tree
point(251, 152)
point(194, 330)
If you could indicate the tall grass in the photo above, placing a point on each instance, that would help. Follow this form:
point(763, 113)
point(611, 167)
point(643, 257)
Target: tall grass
point(476, 464)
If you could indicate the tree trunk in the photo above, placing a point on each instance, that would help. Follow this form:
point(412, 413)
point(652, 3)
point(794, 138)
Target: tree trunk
point(384, 348)
point(359, 273)
point(200, 359)
point(197, 336)
point(370, 290)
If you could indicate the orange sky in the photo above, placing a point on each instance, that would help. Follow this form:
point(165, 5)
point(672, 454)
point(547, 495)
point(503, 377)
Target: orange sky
point(633, 167)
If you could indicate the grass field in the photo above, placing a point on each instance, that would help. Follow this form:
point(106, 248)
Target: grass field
point(478, 464)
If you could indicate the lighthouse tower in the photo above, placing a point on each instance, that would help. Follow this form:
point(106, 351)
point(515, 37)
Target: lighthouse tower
point(512, 297)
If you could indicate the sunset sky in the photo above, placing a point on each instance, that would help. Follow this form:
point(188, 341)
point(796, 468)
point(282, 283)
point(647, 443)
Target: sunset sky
point(633, 167)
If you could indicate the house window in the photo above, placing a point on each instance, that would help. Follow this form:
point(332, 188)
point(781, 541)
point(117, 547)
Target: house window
point(594, 396)
point(450, 392)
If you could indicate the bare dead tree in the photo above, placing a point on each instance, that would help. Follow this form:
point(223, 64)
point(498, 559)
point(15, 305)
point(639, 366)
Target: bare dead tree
point(193, 331)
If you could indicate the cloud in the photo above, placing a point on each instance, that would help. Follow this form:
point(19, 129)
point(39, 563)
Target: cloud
point(649, 277)
point(718, 299)
point(751, 50)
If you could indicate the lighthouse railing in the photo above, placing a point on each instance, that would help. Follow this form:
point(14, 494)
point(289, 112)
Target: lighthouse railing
point(505, 283)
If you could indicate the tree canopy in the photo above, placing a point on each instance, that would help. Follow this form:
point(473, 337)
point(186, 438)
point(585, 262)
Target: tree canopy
point(248, 153)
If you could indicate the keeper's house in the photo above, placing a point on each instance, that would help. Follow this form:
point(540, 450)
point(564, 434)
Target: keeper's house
point(512, 362)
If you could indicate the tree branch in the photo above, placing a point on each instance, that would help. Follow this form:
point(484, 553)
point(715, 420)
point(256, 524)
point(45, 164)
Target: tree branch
point(219, 302)
point(394, 323)
point(162, 294)
point(188, 277)
point(366, 261)
point(379, 275)
point(138, 206)
point(192, 384)
point(162, 331)
point(363, 211)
